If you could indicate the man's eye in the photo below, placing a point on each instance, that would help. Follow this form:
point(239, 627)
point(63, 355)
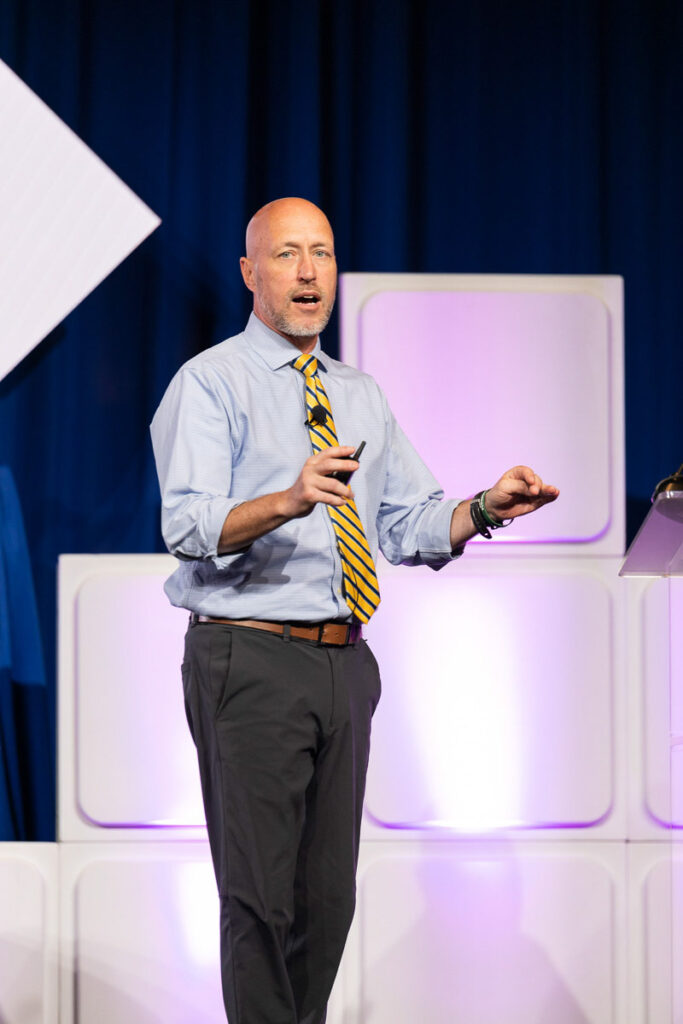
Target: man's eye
point(322, 252)
point(285, 255)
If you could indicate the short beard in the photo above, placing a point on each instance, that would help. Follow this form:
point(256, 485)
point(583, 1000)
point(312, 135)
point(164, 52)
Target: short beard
point(283, 323)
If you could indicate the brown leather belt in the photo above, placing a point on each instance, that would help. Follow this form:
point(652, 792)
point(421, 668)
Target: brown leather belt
point(337, 634)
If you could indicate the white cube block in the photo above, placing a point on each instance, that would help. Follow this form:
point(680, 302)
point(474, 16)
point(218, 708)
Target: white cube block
point(486, 933)
point(502, 703)
point(486, 372)
point(127, 760)
point(140, 934)
point(29, 933)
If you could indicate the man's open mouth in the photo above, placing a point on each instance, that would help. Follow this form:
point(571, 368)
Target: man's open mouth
point(307, 300)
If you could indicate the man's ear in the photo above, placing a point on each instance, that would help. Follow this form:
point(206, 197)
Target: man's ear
point(247, 268)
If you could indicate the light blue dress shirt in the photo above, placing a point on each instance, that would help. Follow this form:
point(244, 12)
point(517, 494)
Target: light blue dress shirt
point(231, 427)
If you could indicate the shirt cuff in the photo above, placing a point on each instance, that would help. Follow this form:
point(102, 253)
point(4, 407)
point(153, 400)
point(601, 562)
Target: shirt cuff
point(199, 531)
point(435, 536)
point(223, 562)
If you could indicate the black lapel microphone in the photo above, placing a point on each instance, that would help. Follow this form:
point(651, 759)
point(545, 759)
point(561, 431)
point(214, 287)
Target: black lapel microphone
point(319, 414)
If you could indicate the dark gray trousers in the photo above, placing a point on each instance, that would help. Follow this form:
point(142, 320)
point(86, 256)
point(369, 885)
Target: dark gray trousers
point(282, 730)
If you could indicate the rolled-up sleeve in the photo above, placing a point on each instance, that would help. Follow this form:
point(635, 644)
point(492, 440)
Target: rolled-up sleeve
point(413, 521)
point(193, 444)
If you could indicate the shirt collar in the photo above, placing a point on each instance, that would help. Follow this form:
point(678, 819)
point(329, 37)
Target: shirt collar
point(275, 350)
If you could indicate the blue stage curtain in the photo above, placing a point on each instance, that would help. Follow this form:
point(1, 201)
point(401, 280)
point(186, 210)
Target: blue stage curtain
point(26, 750)
point(469, 136)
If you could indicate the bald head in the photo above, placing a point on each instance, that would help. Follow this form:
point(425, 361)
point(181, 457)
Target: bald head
point(270, 217)
point(290, 267)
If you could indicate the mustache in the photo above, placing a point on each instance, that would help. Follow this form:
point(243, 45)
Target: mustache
point(306, 293)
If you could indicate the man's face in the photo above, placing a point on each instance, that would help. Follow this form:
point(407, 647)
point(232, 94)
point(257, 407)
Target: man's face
point(291, 269)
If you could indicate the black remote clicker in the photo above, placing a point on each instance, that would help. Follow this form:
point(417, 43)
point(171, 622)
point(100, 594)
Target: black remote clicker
point(344, 475)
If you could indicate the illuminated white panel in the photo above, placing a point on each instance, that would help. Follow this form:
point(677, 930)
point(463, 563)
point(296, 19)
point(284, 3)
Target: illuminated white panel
point(506, 932)
point(28, 933)
point(656, 927)
point(66, 220)
point(498, 706)
point(519, 377)
point(486, 373)
point(141, 933)
point(136, 761)
point(662, 696)
point(127, 761)
point(676, 683)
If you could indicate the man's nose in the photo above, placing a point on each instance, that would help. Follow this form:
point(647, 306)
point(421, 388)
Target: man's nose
point(306, 267)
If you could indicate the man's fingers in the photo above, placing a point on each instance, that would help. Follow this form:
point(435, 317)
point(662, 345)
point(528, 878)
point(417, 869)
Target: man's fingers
point(334, 499)
point(526, 475)
point(315, 483)
point(339, 496)
point(322, 482)
point(338, 452)
point(334, 467)
point(333, 460)
point(520, 490)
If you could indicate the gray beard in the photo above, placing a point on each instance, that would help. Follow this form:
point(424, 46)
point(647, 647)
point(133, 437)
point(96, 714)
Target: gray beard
point(283, 323)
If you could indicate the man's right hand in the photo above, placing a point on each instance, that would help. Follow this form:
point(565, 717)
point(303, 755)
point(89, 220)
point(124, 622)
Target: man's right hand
point(314, 484)
point(250, 520)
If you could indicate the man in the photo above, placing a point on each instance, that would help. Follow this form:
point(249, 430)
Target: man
point(278, 570)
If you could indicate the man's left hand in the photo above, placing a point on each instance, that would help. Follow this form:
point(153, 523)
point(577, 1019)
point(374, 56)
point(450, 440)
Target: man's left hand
point(518, 492)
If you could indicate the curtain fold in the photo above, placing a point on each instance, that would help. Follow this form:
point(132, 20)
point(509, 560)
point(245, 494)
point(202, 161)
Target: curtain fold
point(26, 754)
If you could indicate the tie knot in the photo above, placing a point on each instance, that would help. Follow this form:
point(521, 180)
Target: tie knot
point(306, 364)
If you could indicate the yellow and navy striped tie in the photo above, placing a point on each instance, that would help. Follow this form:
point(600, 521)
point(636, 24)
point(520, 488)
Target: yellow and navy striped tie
point(361, 589)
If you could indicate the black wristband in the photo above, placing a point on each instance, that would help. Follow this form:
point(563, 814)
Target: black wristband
point(478, 520)
point(493, 524)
